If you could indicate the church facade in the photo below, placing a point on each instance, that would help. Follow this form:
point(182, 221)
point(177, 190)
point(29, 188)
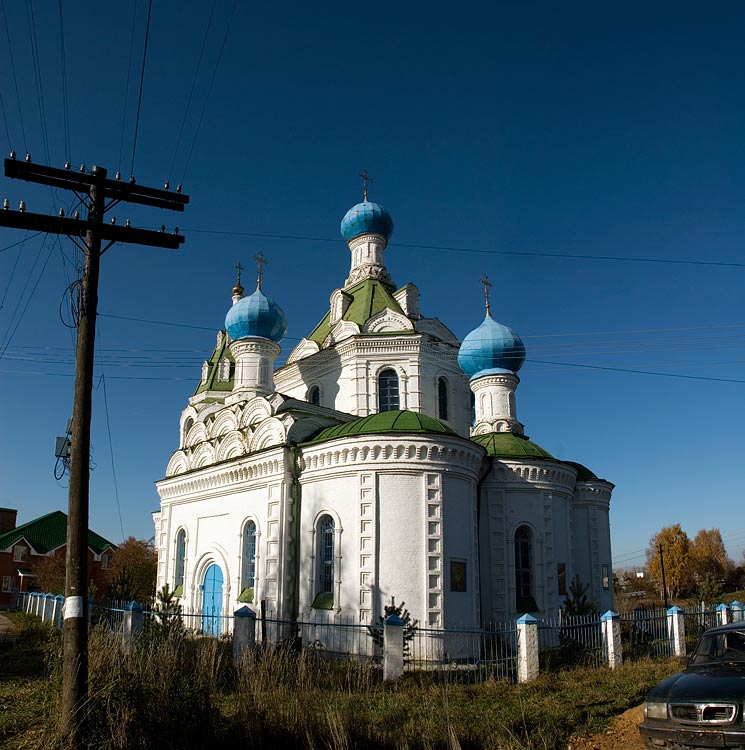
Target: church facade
point(383, 460)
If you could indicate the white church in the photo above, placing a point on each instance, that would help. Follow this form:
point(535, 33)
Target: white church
point(384, 459)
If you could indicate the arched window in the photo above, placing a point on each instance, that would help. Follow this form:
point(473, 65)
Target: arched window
point(442, 398)
point(325, 563)
point(524, 570)
point(388, 399)
point(473, 407)
point(178, 575)
point(248, 563)
point(314, 395)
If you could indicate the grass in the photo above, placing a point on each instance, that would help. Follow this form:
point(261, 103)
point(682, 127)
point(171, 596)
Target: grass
point(175, 692)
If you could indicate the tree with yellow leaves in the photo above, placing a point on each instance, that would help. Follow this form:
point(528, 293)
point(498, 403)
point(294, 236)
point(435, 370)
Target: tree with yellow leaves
point(676, 548)
point(709, 562)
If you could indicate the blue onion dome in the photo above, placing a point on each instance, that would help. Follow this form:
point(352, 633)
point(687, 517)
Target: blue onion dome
point(490, 349)
point(366, 218)
point(256, 315)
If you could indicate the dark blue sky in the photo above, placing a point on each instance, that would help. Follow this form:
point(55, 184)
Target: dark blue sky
point(506, 132)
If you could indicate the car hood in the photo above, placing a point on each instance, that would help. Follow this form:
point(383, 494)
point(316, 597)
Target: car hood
point(701, 684)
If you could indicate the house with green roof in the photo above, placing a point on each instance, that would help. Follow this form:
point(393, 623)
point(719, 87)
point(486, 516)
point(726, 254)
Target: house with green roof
point(384, 459)
point(24, 547)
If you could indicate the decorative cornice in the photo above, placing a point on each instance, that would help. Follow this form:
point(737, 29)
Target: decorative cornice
point(362, 239)
point(507, 379)
point(535, 472)
point(236, 474)
point(449, 453)
point(597, 492)
point(254, 345)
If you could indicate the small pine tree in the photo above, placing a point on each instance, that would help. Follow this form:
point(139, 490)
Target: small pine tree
point(577, 602)
point(410, 626)
point(168, 620)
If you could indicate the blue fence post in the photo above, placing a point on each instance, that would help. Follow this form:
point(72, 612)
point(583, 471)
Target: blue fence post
point(737, 611)
point(527, 648)
point(244, 632)
point(393, 647)
point(676, 631)
point(131, 625)
point(722, 614)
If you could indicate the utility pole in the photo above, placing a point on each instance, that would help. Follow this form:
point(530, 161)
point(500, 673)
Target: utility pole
point(664, 584)
point(94, 190)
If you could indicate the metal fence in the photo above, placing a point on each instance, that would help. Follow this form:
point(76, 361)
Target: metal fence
point(571, 640)
point(489, 652)
point(476, 653)
point(644, 633)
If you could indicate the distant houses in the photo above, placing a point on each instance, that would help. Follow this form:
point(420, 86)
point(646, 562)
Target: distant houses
point(27, 548)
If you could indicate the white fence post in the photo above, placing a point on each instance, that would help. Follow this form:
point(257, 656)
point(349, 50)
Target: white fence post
point(46, 607)
point(527, 648)
point(737, 611)
point(59, 602)
point(244, 632)
point(393, 647)
point(131, 625)
point(611, 625)
point(676, 631)
point(722, 614)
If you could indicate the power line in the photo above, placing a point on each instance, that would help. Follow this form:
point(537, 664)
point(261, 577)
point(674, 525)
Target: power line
point(485, 251)
point(10, 334)
point(15, 77)
point(5, 121)
point(126, 88)
point(637, 372)
point(142, 84)
point(20, 242)
point(209, 89)
point(102, 381)
point(63, 71)
point(191, 92)
point(13, 270)
point(37, 76)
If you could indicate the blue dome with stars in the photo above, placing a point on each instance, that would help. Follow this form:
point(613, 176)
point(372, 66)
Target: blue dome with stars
point(256, 315)
point(366, 218)
point(490, 349)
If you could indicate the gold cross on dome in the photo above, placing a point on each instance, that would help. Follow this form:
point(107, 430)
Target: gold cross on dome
point(261, 261)
point(365, 180)
point(487, 284)
point(240, 268)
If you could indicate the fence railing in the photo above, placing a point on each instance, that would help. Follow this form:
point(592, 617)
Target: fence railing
point(500, 651)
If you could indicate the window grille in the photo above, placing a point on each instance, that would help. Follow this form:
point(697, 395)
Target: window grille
point(388, 392)
point(326, 555)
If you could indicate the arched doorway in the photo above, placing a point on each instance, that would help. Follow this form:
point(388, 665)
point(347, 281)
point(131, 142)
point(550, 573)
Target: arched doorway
point(212, 601)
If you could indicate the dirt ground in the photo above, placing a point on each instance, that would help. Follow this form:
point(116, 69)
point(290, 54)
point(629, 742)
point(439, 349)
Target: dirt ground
point(621, 735)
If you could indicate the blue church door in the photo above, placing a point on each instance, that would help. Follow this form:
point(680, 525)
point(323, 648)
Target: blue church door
point(212, 602)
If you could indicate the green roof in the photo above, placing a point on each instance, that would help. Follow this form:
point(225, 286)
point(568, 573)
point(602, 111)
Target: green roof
point(509, 445)
point(384, 422)
point(48, 533)
point(212, 383)
point(368, 298)
point(583, 473)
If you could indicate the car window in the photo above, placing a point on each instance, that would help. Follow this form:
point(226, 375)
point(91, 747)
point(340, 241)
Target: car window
point(728, 646)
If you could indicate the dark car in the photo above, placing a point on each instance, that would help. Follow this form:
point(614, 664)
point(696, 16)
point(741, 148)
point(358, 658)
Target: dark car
point(702, 706)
